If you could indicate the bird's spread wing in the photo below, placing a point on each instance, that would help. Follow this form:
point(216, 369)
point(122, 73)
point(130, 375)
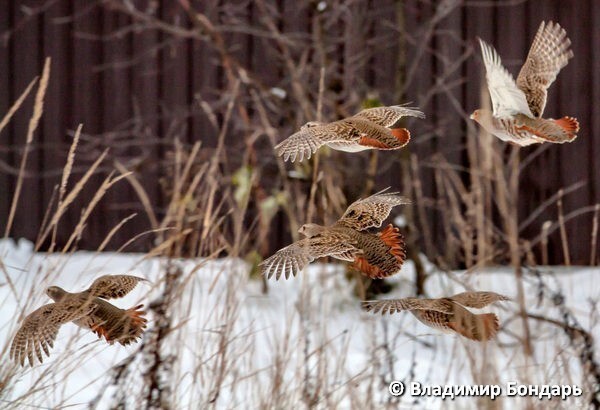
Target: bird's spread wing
point(114, 286)
point(548, 54)
point(396, 305)
point(389, 116)
point(442, 314)
point(478, 300)
point(40, 328)
point(507, 98)
point(292, 259)
point(370, 212)
point(307, 141)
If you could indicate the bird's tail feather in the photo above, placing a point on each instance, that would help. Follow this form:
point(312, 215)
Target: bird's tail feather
point(391, 237)
point(125, 328)
point(402, 135)
point(570, 125)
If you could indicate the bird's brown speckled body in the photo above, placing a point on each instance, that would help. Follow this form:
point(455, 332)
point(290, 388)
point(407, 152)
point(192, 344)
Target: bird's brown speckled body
point(377, 255)
point(372, 128)
point(448, 314)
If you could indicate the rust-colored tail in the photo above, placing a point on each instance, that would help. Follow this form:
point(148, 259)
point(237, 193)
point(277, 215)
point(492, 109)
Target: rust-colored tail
point(570, 125)
point(133, 325)
point(374, 272)
point(556, 131)
point(124, 327)
point(392, 237)
point(372, 142)
point(476, 327)
point(402, 134)
point(385, 257)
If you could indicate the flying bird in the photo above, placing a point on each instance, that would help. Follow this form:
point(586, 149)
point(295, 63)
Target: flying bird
point(372, 128)
point(517, 107)
point(87, 309)
point(448, 314)
point(377, 255)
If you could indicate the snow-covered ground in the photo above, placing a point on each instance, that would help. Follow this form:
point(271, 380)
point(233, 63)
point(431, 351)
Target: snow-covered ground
point(236, 347)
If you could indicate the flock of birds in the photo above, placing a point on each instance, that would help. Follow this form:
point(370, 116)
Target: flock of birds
point(516, 117)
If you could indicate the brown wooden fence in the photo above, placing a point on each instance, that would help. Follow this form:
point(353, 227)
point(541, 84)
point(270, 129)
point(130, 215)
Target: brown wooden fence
point(137, 74)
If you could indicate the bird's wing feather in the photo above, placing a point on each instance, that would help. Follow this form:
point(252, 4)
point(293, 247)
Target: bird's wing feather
point(40, 328)
point(389, 116)
point(307, 141)
point(549, 53)
point(370, 212)
point(396, 305)
point(507, 98)
point(292, 259)
point(478, 300)
point(114, 286)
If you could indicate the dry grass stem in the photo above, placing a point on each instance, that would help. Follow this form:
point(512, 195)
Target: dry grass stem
point(38, 109)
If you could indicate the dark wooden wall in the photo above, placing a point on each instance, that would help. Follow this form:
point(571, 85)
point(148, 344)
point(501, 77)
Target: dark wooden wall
point(135, 89)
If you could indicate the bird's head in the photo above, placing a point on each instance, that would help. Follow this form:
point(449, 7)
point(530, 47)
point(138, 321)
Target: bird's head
point(481, 115)
point(55, 293)
point(484, 117)
point(310, 230)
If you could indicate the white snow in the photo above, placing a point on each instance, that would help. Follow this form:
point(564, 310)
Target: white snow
point(309, 324)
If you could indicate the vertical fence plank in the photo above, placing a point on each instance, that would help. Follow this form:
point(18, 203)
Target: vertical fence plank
point(145, 98)
point(7, 97)
point(206, 76)
point(27, 63)
point(57, 119)
point(86, 88)
point(573, 92)
point(594, 115)
point(118, 61)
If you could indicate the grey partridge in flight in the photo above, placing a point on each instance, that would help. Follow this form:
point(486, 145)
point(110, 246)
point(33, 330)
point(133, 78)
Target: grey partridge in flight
point(517, 107)
point(87, 309)
point(377, 255)
point(448, 314)
point(372, 128)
